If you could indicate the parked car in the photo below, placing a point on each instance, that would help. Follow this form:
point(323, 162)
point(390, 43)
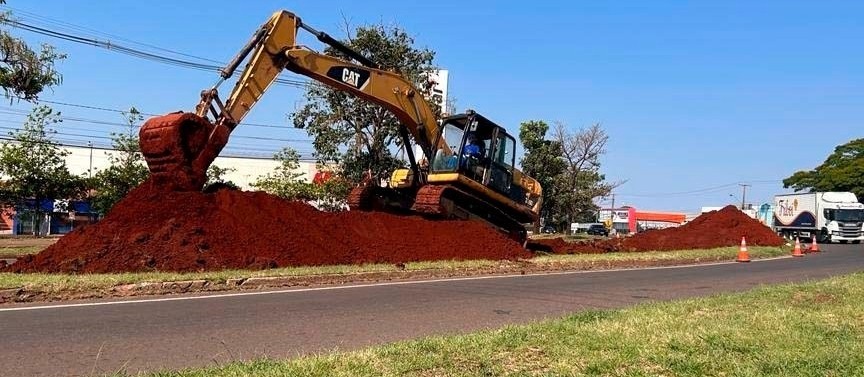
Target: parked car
point(598, 230)
point(548, 229)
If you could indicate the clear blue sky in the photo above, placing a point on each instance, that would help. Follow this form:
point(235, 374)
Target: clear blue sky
point(693, 96)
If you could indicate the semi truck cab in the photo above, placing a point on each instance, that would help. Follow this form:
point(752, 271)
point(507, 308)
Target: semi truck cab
point(843, 223)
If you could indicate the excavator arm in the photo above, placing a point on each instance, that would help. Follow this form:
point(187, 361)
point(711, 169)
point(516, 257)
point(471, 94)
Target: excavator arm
point(179, 147)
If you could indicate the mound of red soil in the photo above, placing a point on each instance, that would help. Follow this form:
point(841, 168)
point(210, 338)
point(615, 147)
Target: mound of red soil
point(193, 231)
point(711, 230)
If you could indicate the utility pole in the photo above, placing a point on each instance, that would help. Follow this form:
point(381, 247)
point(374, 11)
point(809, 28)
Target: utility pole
point(744, 187)
point(90, 171)
point(612, 212)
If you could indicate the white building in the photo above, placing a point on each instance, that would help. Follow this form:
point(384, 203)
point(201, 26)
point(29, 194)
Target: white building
point(244, 170)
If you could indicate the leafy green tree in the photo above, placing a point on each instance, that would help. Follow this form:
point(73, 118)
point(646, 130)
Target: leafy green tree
point(331, 195)
point(25, 72)
point(352, 131)
point(542, 161)
point(287, 182)
point(843, 170)
point(354, 167)
point(216, 178)
point(127, 168)
point(34, 168)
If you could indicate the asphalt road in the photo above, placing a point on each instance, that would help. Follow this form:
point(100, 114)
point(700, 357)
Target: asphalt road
point(175, 332)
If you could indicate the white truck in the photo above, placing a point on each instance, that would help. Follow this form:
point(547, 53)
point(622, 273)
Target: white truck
point(828, 216)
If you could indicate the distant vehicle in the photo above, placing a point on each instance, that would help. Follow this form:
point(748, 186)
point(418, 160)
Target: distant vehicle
point(598, 230)
point(548, 229)
point(826, 216)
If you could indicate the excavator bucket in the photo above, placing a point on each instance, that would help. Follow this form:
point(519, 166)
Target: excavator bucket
point(179, 147)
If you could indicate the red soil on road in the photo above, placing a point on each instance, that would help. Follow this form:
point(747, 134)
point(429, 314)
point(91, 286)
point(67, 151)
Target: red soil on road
point(150, 230)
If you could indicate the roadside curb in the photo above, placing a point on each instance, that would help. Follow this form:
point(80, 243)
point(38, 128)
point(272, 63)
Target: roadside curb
point(24, 295)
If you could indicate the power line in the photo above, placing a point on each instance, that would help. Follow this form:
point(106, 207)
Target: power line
point(63, 131)
point(702, 191)
point(304, 155)
point(100, 108)
point(75, 137)
point(12, 111)
point(683, 193)
point(119, 48)
point(69, 26)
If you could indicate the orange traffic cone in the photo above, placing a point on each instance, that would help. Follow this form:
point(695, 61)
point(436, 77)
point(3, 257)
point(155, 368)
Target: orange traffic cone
point(743, 254)
point(814, 247)
point(796, 252)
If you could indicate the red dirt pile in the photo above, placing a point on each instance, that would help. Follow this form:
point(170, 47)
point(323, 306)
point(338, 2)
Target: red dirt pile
point(194, 231)
point(711, 230)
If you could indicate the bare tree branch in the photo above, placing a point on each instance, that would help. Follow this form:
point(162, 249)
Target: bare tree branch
point(346, 22)
point(581, 180)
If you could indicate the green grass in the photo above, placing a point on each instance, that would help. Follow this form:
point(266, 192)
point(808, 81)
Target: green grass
point(567, 237)
point(813, 329)
point(70, 282)
point(721, 253)
point(19, 251)
point(56, 283)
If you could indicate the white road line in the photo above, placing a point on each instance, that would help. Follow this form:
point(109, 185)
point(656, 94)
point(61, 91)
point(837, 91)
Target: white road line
point(338, 287)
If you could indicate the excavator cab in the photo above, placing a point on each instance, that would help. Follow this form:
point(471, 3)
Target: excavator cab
point(476, 148)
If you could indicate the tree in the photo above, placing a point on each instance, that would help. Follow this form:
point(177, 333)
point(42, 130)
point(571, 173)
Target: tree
point(287, 182)
point(216, 179)
point(24, 72)
point(354, 167)
point(332, 193)
point(843, 170)
point(127, 168)
point(543, 161)
point(581, 181)
point(352, 131)
point(34, 169)
point(568, 168)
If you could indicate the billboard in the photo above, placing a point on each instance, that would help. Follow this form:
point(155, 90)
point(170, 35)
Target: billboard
point(438, 80)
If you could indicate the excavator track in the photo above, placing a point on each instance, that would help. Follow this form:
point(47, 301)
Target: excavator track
point(370, 197)
point(446, 201)
point(429, 200)
point(361, 198)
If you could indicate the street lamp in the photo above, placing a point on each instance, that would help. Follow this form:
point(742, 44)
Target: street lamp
point(734, 196)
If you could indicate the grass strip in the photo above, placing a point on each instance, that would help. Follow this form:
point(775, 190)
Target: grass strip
point(812, 329)
point(18, 251)
point(55, 283)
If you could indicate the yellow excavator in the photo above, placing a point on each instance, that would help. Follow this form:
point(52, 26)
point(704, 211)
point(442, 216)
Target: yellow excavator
point(468, 168)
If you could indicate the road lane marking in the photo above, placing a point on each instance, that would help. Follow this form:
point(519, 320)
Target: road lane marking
point(352, 286)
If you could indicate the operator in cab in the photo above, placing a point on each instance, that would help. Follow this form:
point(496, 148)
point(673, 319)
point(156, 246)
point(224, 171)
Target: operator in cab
point(474, 147)
point(473, 154)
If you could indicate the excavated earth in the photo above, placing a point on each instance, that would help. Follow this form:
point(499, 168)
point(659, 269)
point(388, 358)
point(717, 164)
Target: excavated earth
point(152, 230)
point(711, 230)
point(228, 229)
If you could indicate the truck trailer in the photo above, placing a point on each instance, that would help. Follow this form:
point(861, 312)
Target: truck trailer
point(827, 216)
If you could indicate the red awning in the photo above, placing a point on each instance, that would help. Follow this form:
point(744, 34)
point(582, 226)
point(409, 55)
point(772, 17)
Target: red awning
point(669, 217)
